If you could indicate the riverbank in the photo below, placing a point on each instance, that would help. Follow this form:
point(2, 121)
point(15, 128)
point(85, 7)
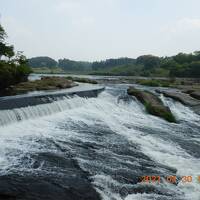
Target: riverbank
point(45, 83)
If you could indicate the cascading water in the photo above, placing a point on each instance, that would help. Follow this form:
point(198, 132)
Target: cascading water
point(111, 138)
point(31, 112)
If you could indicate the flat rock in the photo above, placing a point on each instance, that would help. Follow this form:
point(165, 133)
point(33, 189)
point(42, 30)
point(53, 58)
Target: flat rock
point(195, 95)
point(184, 98)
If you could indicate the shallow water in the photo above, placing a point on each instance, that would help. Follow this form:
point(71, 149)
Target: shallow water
point(110, 138)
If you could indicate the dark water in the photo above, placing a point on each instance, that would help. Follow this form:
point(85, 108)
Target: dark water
point(98, 148)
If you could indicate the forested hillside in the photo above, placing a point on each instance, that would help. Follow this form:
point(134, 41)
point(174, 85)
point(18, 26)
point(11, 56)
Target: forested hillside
point(42, 61)
point(70, 65)
point(180, 65)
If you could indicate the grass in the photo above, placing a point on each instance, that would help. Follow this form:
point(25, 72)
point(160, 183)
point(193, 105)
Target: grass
point(154, 82)
point(46, 70)
point(82, 80)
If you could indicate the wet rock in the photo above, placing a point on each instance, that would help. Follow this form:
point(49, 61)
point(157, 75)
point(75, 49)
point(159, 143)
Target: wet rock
point(195, 95)
point(59, 178)
point(153, 104)
point(184, 98)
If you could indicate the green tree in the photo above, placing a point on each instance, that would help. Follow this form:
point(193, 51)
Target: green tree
point(182, 58)
point(2, 34)
point(14, 69)
point(148, 61)
point(5, 49)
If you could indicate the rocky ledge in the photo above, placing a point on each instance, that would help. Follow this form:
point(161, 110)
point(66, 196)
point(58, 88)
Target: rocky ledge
point(195, 94)
point(152, 103)
point(184, 98)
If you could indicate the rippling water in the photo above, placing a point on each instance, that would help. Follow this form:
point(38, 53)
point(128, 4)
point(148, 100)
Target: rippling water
point(110, 138)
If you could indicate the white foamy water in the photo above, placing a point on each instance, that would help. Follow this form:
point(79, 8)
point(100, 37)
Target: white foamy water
point(31, 112)
point(58, 121)
point(180, 111)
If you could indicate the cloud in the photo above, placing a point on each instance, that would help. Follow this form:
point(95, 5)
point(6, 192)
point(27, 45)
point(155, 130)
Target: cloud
point(98, 29)
point(185, 24)
point(68, 6)
point(75, 12)
point(18, 33)
point(181, 36)
point(190, 23)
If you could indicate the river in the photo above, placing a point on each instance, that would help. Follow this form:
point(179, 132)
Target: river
point(99, 148)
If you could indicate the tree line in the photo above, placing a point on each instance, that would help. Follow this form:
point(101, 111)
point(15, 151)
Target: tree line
point(65, 64)
point(180, 65)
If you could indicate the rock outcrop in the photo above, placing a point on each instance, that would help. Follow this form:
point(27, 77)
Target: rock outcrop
point(195, 95)
point(66, 180)
point(184, 98)
point(152, 103)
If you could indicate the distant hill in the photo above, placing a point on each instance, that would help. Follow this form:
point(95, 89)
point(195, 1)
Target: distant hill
point(42, 61)
point(70, 65)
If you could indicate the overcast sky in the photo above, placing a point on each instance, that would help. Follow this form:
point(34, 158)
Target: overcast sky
point(100, 29)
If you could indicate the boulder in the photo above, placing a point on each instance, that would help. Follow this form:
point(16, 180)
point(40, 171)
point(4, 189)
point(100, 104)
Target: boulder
point(153, 104)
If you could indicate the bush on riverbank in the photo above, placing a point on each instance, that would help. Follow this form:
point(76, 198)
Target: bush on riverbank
point(11, 74)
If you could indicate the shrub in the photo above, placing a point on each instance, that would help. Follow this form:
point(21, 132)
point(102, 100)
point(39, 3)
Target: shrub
point(11, 74)
point(152, 83)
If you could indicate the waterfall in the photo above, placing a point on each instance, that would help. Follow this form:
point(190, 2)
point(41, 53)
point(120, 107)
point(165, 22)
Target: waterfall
point(32, 112)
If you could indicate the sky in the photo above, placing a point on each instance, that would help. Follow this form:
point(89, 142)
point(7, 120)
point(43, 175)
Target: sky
point(91, 30)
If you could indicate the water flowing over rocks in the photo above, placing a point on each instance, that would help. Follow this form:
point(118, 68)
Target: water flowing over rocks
point(18, 101)
point(67, 182)
point(184, 98)
point(98, 148)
